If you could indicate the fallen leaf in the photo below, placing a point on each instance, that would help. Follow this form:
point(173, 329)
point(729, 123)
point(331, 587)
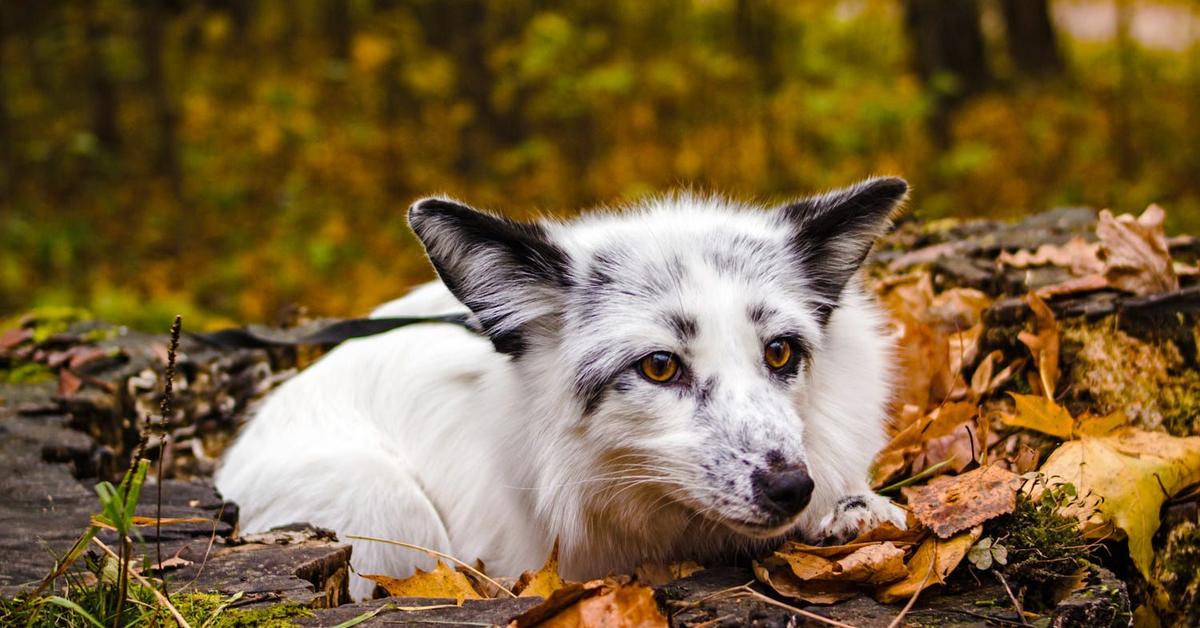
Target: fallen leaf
point(1134, 251)
point(1040, 414)
point(1077, 255)
point(1088, 425)
point(442, 583)
point(1043, 344)
point(948, 505)
point(658, 574)
point(68, 383)
point(933, 561)
point(1122, 481)
point(543, 582)
point(613, 601)
point(14, 337)
point(783, 582)
point(824, 575)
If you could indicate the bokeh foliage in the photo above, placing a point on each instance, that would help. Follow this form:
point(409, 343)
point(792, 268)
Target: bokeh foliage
point(225, 159)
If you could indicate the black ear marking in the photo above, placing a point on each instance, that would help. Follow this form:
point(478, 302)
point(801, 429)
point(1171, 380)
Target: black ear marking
point(506, 272)
point(835, 231)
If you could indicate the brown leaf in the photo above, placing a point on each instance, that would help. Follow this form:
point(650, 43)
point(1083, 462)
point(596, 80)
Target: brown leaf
point(609, 602)
point(1135, 253)
point(780, 578)
point(658, 574)
point(68, 383)
point(1043, 343)
point(543, 582)
point(1076, 255)
point(931, 563)
point(14, 337)
point(948, 505)
point(1076, 285)
point(441, 583)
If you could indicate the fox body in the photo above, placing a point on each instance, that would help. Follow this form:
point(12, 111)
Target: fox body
point(686, 378)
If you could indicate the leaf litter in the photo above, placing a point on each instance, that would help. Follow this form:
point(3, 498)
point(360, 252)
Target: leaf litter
point(971, 421)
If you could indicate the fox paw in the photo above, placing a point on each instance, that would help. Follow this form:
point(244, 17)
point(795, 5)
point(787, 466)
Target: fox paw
point(856, 514)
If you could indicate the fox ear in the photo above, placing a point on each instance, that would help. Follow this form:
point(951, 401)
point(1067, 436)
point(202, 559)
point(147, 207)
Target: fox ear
point(834, 232)
point(508, 273)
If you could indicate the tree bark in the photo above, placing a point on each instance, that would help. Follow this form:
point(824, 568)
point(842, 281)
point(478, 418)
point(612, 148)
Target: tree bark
point(166, 157)
point(104, 93)
point(1032, 42)
point(340, 28)
point(947, 43)
point(755, 29)
point(7, 163)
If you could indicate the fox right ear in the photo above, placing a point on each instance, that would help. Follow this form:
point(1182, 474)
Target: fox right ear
point(508, 273)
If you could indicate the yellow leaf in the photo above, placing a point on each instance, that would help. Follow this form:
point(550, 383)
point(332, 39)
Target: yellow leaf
point(543, 582)
point(930, 564)
point(1043, 343)
point(1042, 415)
point(441, 583)
point(824, 575)
point(1122, 481)
point(1088, 425)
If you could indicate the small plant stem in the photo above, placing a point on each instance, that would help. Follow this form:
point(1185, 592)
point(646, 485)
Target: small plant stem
point(164, 439)
point(448, 557)
point(916, 478)
point(146, 583)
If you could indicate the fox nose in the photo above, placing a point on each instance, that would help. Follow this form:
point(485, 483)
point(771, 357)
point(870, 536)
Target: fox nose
point(784, 491)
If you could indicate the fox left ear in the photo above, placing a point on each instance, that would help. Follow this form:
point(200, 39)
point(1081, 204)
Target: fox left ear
point(834, 232)
point(508, 273)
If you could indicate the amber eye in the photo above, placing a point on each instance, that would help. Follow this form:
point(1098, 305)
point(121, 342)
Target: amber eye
point(778, 353)
point(660, 367)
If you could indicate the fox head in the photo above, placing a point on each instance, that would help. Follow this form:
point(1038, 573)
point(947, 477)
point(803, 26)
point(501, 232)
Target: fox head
point(682, 338)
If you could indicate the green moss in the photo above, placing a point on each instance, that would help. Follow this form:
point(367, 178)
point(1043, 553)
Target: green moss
point(206, 609)
point(1175, 570)
point(26, 373)
point(1046, 551)
point(1151, 381)
point(48, 320)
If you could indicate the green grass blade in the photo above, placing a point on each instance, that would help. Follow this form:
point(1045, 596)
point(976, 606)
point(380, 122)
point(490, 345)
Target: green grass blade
point(68, 604)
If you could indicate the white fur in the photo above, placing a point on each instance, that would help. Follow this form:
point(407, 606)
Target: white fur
point(428, 435)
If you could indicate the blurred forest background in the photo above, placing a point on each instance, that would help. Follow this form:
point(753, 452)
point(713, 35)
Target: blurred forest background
point(229, 158)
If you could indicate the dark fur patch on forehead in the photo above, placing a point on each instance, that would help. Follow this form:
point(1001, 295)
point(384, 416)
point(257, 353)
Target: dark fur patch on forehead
point(682, 325)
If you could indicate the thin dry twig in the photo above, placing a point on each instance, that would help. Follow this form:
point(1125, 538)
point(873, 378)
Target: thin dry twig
point(438, 554)
point(146, 583)
point(1015, 601)
point(746, 591)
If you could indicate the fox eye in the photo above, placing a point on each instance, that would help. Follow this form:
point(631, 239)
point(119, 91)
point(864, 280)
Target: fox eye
point(659, 367)
point(778, 353)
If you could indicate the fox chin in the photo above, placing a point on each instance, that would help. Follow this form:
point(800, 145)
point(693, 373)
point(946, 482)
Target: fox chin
point(685, 378)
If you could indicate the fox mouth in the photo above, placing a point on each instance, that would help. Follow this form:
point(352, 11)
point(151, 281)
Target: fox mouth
point(769, 530)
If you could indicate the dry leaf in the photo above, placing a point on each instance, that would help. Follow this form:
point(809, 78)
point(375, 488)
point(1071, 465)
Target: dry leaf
point(931, 563)
point(1135, 253)
point(1076, 255)
point(1088, 425)
point(441, 583)
point(1043, 344)
point(1076, 285)
point(1122, 481)
point(543, 582)
point(658, 574)
point(1042, 415)
point(780, 578)
point(948, 505)
point(824, 575)
point(611, 602)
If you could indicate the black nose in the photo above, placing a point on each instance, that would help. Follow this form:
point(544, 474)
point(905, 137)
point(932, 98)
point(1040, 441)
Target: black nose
point(783, 491)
